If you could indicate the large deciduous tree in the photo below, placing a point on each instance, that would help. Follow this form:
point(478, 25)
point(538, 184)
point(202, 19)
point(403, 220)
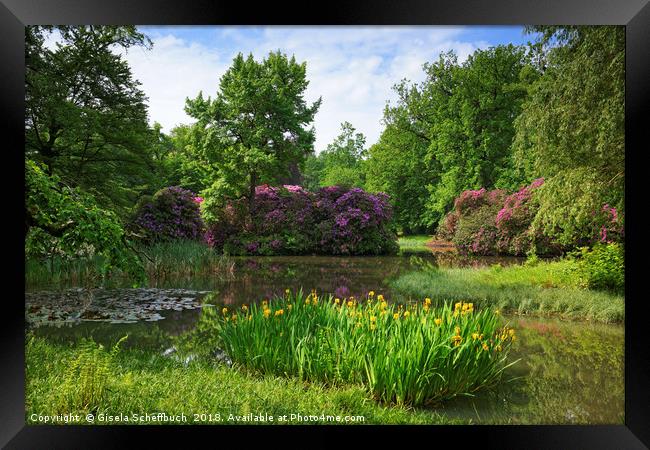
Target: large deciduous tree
point(571, 130)
point(85, 115)
point(255, 129)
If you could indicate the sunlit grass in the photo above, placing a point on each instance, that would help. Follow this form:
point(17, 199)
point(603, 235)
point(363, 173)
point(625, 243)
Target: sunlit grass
point(547, 288)
point(142, 381)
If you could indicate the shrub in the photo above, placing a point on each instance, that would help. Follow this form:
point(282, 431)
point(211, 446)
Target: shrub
point(603, 267)
point(173, 213)
point(291, 220)
point(491, 222)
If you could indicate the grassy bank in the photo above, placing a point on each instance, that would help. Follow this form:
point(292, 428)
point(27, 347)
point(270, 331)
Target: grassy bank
point(161, 261)
point(139, 382)
point(546, 288)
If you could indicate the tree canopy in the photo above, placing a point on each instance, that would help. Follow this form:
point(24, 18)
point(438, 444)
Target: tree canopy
point(256, 126)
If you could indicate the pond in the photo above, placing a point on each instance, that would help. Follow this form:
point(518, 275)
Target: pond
point(568, 372)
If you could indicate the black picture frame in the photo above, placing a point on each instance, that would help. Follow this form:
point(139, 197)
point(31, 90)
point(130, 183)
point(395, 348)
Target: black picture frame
point(634, 14)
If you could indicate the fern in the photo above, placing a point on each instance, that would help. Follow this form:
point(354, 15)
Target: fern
point(87, 379)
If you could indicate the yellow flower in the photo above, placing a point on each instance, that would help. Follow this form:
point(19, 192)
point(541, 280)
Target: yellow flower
point(407, 313)
point(265, 302)
point(511, 332)
point(457, 330)
point(337, 301)
point(373, 319)
point(396, 316)
point(383, 305)
point(371, 294)
point(224, 311)
point(438, 321)
point(458, 305)
point(287, 291)
point(498, 348)
point(456, 340)
point(307, 301)
point(380, 298)
point(485, 346)
point(475, 336)
point(426, 308)
point(279, 312)
point(350, 303)
point(267, 313)
point(244, 308)
point(427, 301)
point(496, 312)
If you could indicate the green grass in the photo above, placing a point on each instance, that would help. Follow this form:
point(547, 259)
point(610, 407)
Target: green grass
point(163, 260)
point(144, 382)
point(414, 244)
point(406, 355)
point(547, 289)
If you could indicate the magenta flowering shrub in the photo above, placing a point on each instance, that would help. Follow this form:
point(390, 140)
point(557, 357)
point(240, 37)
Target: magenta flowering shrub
point(354, 222)
point(173, 213)
point(471, 224)
point(291, 220)
point(492, 222)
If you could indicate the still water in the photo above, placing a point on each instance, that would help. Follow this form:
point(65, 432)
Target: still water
point(568, 372)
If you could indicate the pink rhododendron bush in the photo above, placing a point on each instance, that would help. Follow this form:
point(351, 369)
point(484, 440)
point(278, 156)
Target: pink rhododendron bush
point(291, 220)
point(493, 222)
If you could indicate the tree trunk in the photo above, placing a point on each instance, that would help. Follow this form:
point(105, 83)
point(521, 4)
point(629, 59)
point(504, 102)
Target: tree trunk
point(251, 194)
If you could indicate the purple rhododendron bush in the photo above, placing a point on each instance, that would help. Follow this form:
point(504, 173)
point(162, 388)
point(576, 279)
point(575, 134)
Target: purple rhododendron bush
point(172, 213)
point(291, 220)
point(492, 222)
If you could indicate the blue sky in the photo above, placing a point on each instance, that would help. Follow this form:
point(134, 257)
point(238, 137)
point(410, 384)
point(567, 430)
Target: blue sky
point(353, 69)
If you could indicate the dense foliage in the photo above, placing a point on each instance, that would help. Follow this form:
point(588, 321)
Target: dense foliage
point(492, 222)
point(292, 220)
point(173, 213)
point(572, 129)
point(416, 355)
point(67, 223)
point(340, 164)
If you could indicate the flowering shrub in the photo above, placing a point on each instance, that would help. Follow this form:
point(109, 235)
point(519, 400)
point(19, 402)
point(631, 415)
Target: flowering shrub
point(492, 222)
point(173, 213)
point(292, 220)
point(471, 224)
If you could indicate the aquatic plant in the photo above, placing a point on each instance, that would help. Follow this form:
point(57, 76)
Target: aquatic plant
point(406, 354)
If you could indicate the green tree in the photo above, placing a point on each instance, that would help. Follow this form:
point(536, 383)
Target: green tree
point(85, 116)
point(571, 129)
point(397, 166)
point(459, 123)
point(255, 128)
point(341, 162)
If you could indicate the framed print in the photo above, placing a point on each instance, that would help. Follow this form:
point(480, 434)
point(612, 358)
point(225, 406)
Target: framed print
point(404, 218)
